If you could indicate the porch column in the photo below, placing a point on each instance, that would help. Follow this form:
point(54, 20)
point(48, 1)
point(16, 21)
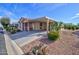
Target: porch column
point(33, 26)
point(21, 26)
point(24, 26)
point(50, 26)
point(28, 26)
point(47, 26)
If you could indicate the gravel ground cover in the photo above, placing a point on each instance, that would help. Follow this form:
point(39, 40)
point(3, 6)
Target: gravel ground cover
point(67, 44)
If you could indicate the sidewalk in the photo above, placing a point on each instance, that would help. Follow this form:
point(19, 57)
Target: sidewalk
point(11, 46)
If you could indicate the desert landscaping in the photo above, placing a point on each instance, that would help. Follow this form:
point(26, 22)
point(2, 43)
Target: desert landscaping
point(39, 29)
point(67, 44)
point(58, 39)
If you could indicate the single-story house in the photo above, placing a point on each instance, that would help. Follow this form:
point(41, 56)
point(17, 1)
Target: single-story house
point(42, 23)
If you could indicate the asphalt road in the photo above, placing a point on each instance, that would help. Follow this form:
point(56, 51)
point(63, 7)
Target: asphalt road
point(3, 50)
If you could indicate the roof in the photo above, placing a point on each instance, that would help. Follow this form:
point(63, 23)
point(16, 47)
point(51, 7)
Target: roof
point(45, 18)
point(41, 19)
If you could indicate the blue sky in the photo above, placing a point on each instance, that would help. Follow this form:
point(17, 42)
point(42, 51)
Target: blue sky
point(68, 13)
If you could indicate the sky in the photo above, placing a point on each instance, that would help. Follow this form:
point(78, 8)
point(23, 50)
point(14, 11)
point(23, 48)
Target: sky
point(65, 12)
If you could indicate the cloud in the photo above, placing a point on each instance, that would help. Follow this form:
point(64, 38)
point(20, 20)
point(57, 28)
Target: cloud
point(0, 16)
point(5, 12)
point(14, 21)
point(45, 6)
point(75, 16)
point(9, 14)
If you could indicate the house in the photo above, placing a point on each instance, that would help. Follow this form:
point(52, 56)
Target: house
point(42, 23)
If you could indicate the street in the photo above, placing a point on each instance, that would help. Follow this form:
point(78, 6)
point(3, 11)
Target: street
point(3, 50)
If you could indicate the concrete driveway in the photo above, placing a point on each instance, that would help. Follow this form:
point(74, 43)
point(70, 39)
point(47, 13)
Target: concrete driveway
point(22, 38)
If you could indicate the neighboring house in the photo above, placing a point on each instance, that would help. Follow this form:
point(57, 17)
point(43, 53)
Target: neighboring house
point(14, 24)
point(43, 23)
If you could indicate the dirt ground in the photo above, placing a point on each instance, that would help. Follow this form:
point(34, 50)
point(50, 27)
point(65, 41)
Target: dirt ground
point(67, 44)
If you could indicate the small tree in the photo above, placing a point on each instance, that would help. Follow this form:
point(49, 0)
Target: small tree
point(56, 26)
point(54, 34)
point(5, 21)
point(77, 25)
point(71, 26)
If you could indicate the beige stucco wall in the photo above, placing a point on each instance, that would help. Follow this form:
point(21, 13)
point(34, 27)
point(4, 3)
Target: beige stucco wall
point(44, 26)
point(36, 26)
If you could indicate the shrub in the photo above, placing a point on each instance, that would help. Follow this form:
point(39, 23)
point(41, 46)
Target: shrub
point(18, 30)
point(54, 35)
point(13, 31)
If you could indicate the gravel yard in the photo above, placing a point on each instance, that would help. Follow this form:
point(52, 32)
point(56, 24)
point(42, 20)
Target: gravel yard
point(67, 44)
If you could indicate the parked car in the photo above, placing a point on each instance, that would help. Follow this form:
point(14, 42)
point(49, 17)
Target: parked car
point(1, 30)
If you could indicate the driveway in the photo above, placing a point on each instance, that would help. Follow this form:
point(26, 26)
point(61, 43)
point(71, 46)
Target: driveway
point(22, 38)
point(76, 34)
point(3, 50)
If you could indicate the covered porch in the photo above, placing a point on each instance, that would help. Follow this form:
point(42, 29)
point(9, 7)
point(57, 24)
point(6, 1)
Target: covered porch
point(43, 23)
point(30, 26)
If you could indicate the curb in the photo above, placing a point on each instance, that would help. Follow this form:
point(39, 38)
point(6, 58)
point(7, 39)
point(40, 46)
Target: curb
point(11, 46)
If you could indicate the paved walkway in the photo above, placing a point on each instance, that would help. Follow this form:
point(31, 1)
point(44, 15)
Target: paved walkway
point(3, 50)
point(24, 37)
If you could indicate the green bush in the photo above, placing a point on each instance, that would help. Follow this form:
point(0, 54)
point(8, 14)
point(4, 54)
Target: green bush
point(13, 30)
point(54, 35)
point(18, 30)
